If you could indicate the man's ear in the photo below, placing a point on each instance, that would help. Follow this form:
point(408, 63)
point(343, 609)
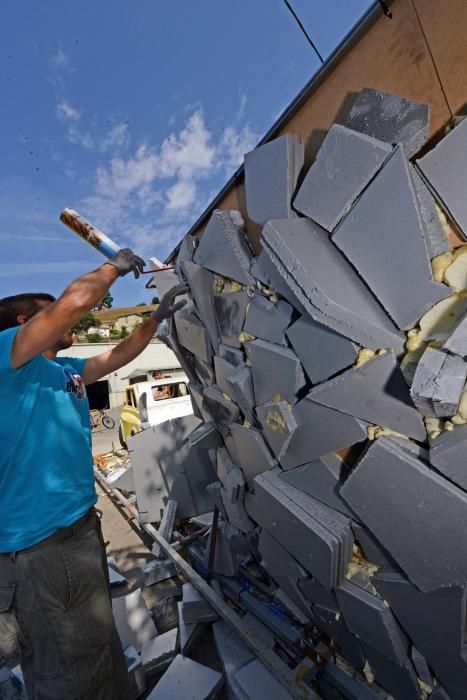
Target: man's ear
point(22, 319)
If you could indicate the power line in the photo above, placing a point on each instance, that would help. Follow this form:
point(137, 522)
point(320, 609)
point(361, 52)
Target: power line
point(309, 39)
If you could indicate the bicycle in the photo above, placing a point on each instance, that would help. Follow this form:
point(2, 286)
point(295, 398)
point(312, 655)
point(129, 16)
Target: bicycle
point(100, 418)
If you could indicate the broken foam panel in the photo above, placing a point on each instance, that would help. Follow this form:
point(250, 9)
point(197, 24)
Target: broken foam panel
point(443, 169)
point(326, 284)
point(271, 174)
point(224, 249)
point(375, 392)
point(344, 165)
point(390, 118)
point(382, 490)
point(382, 236)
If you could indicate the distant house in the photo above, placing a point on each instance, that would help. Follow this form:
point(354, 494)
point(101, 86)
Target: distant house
point(125, 317)
point(103, 331)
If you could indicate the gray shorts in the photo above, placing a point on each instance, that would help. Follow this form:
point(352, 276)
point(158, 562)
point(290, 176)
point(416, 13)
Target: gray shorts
point(56, 615)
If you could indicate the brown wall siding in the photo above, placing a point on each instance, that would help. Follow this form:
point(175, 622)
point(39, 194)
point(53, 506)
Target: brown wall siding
point(393, 56)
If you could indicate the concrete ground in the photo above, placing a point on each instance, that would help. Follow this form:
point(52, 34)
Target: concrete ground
point(104, 440)
point(131, 549)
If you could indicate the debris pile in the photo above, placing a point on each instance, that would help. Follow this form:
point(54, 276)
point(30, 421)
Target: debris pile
point(327, 376)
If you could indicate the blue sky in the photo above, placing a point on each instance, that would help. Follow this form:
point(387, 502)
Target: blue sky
point(135, 114)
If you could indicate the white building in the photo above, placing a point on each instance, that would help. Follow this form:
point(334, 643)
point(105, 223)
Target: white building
point(110, 390)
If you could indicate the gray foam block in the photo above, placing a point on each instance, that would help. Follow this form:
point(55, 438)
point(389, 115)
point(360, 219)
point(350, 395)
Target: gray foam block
point(310, 533)
point(449, 385)
point(223, 411)
point(204, 371)
point(236, 513)
point(423, 384)
point(370, 619)
point(439, 694)
point(317, 594)
point(197, 401)
point(251, 451)
point(421, 667)
point(133, 620)
point(240, 384)
point(435, 623)
point(373, 551)
point(448, 453)
point(224, 248)
point(159, 651)
point(230, 476)
point(320, 430)
point(278, 425)
point(444, 171)
point(344, 165)
point(157, 458)
point(271, 173)
point(201, 283)
point(188, 633)
point(185, 253)
point(335, 628)
point(266, 272)
point(233, 355)
point(382, 490)
point(222, 368)
point(390, 118)
point(438, 382)
point(255, 682)
point(399, 681)
point(457, 341)
point(266, 320)
point(435, 235)
point(230, 310)
point(322, 479)
point(327, 285)
point(390, 207)
point(195, 608)
point(278, 560)
point(192, 334)
point(375, 392)
point(321, 351)
point(186, 679)
point(233, 653)
point(347, 686)
point(270, 360)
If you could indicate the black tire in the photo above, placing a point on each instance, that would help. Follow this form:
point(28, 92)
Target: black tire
point(107, 421)
point(121, 439)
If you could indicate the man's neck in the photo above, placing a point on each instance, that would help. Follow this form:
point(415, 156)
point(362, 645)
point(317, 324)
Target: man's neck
point(50, 354)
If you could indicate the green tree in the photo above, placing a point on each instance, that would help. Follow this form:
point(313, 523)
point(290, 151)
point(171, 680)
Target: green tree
point(124, 333)
point(155, 300)
point(86, 323)
point(105, 303)
point(94, 338)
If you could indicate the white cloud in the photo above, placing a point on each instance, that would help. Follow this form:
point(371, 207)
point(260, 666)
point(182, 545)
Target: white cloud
point(118, 137)
point(181, 195)
point(60, 60)
point(67, 112)
point(80, 138)
point(168, 184)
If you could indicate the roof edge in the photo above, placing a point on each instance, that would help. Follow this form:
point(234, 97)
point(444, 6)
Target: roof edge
point(369, 17)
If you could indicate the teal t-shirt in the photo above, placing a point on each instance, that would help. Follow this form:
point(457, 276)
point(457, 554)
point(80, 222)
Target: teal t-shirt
point(46, 465)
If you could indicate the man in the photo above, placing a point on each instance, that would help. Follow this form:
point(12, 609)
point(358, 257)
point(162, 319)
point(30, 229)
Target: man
point(55, 608)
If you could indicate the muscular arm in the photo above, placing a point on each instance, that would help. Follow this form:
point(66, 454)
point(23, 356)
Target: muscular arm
point(46, 328)
point(123, 353)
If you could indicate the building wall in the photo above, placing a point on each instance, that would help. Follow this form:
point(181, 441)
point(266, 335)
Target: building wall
point(420, 53)
point(155, 356)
